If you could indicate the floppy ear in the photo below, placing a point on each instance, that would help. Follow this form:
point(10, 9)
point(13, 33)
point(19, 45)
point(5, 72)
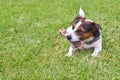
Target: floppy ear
point(93, 25)
point(96, 26)
point(96, 32)
point(81, 13)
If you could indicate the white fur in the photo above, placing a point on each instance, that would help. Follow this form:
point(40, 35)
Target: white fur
point(89, 20)
point(81, 13)
point(77, 25)
point(71, 50)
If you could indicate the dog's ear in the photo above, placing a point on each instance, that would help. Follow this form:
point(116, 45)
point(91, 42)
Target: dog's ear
point(81, 13)
point(96, 28)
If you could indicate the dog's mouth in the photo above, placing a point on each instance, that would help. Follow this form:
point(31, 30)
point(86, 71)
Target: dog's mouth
point(76, 44)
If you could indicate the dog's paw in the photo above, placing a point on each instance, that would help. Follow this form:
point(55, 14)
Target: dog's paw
point(94, 55)
point(68, 55)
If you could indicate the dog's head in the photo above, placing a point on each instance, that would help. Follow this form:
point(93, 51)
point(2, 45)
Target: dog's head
point(82, 29)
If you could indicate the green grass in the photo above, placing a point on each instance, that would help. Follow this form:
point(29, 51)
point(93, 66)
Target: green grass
point(31, 47)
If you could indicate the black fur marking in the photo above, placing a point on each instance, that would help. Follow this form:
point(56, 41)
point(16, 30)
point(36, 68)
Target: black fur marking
point(87, 27)
point(96, 33)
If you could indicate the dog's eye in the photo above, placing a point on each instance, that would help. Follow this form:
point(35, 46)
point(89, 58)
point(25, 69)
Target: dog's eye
point(80, 31)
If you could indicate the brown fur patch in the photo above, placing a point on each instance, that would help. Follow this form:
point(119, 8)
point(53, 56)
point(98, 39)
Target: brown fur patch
point(80, 28)
point(86, 35)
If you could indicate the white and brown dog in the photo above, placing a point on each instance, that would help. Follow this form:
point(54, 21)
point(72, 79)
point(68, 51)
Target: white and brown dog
point(87, 32)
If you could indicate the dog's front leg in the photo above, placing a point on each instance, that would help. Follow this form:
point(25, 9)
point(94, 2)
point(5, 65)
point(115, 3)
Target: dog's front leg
point(96, 51)
point(71, 50)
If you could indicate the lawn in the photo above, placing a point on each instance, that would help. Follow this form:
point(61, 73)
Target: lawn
point(31, 47)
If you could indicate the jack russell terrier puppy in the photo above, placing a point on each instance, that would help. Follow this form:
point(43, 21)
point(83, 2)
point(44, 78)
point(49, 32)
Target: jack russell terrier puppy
point(86, 32)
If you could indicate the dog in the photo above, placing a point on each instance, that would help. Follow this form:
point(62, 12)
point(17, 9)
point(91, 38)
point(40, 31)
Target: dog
point(87, 32)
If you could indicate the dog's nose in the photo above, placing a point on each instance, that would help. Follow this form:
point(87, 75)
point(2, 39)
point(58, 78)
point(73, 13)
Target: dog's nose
point(69, 37)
